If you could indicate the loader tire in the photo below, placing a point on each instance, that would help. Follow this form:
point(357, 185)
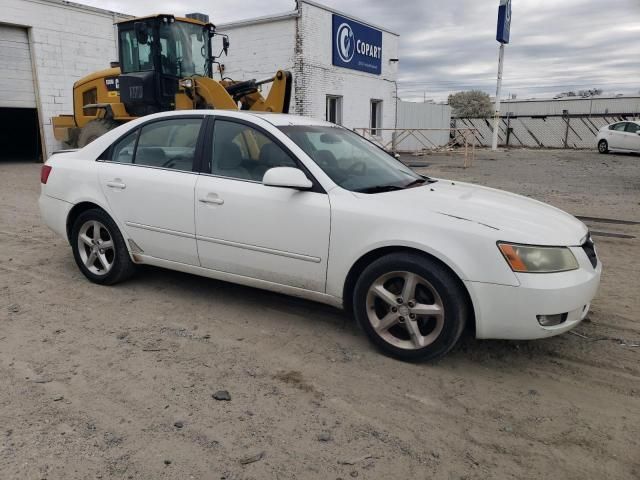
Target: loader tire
point(93, 130)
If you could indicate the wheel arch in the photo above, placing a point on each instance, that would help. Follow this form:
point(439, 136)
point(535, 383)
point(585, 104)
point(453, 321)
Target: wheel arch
point(606, 145)
point(358, 267)
point(76, 211)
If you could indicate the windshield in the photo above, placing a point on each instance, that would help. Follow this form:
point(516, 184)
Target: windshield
point(183, 49)
point(351, 161)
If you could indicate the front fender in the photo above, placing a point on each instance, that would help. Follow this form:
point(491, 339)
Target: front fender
point(468, 249)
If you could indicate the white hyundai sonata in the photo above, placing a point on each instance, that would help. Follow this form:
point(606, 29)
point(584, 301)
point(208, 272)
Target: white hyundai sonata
point(310, 209)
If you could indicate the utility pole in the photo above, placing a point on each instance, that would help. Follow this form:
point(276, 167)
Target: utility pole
point(502, 36)
point(496, 115)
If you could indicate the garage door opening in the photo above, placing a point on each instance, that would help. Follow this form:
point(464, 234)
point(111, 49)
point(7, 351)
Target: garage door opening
point(19, 135)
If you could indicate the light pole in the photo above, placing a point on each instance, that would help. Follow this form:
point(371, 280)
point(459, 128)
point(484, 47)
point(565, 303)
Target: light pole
point(496, 114)
point(502, 36)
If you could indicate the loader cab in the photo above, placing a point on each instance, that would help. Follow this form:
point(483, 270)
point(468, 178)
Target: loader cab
point(155, 54)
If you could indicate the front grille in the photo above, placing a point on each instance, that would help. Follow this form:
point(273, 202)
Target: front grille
point(590, 250)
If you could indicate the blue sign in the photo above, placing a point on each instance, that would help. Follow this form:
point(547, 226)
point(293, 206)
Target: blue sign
point(356, 46)
point(504, 21)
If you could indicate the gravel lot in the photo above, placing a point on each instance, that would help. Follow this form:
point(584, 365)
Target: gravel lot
point(118, 382)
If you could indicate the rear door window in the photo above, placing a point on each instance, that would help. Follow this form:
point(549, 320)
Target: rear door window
point(124, 149)
point(632, 127)
point(164, 144)
point(169, 144)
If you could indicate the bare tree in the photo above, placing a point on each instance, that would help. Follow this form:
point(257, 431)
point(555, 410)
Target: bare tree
point(471, 104)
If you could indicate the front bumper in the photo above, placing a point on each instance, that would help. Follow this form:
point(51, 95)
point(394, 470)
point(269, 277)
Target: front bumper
point(505, 312)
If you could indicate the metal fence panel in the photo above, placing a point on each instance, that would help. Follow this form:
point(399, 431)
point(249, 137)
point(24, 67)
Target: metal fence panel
point(543, 131)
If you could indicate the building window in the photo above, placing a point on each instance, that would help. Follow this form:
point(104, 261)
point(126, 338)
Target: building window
point(334, 109)
point(376, 117)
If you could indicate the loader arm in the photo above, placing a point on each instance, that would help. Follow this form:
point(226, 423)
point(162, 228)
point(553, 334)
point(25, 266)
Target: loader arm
point(277, 100)
point(226, 95)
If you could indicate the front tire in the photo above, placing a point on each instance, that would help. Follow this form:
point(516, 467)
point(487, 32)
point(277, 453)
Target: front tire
point(410, 306)
point(99, 249)
point(603, 146)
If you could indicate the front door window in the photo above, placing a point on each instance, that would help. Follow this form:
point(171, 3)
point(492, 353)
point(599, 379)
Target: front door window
point(244, 153)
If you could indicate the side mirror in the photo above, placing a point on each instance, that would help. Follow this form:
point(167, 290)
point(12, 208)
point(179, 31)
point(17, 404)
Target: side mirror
point(142, 32)
point(286, 177)
point(225, 45)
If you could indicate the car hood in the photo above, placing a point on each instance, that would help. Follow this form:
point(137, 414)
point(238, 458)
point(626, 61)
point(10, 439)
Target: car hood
point(512, 217)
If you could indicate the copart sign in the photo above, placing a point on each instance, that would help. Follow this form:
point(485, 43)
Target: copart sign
point(356, 46)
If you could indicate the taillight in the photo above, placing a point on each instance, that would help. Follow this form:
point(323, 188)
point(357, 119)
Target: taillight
point(44, 173)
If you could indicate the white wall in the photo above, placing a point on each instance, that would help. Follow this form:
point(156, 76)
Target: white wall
point(423, 115)
point(317, 77)
point(67, 42)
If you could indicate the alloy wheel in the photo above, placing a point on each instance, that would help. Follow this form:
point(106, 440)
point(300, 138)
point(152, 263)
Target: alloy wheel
point(96, 247)
point(405, 310)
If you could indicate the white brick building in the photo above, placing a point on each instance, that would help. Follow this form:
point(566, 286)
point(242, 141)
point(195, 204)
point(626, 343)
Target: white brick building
point(302, 41)
point(45, 46)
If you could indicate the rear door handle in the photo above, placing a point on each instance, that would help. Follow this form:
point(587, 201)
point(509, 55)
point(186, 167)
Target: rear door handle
point(116, 184)
point(212, 200)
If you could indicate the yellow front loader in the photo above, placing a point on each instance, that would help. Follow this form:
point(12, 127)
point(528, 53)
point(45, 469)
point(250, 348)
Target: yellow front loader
point(165, 63)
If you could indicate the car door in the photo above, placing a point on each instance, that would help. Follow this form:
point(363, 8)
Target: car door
point(616, 135)
point(149, 182)
point(632, 138)
point(243, 227)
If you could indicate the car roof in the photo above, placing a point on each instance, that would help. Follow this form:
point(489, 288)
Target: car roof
point(276, 119)
point(95, 148)
point(285, 119)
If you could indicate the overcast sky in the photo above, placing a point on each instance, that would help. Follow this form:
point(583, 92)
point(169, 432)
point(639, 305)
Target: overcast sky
point(448, 46)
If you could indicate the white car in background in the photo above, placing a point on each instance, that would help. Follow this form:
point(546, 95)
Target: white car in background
point(310, 209)
point(619, 136)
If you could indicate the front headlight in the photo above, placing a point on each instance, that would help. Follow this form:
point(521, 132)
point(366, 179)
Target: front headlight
point(530, 259)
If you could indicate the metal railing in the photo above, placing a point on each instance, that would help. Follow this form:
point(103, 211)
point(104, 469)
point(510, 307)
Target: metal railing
point(454, 138)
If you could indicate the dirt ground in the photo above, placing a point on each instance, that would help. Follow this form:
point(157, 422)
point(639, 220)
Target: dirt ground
point(118, 382)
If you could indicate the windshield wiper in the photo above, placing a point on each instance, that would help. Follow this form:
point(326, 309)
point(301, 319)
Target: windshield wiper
point(416, 182)
point(393, 188)
point(380, 189)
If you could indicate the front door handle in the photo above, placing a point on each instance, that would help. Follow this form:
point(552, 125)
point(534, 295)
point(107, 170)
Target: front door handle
point(212, 200)
point(116, 184)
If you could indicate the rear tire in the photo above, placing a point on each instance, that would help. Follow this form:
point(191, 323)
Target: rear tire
point(99, 249)
point(93, 130)
point(603, 146)
point(410, 306)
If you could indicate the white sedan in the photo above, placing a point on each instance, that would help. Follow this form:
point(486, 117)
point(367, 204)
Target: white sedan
point(620, 136)
point(310, 209)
